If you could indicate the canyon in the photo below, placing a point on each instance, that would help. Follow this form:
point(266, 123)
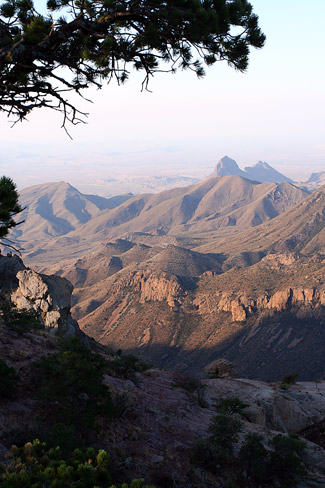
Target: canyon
point(226, 268)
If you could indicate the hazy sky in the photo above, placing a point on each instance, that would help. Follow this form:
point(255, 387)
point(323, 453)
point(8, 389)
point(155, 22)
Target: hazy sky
point(275, 112)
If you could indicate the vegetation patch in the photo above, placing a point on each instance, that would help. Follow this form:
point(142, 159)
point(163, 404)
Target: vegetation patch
point(272, 464)
point(34, 465)
point(126, 366)
point(71, 380)
point(20, 321)
point(192, 385)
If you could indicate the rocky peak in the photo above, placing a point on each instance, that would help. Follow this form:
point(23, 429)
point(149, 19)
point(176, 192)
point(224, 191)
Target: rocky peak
point(227, 166)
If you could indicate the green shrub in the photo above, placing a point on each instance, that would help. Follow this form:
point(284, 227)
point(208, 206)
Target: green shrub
point(225, 431)
point(34, 465)
point(254, 466)
point(21, 320)
point(285, 460)
point(289, 379)
point(126, 366)
point(73, 377)
point(7, 380)
point(206, 454)
point(254, 458)
point(230, 406)
point(64, 436)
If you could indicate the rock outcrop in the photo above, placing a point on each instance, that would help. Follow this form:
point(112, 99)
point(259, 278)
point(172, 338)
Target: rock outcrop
point(50, 296)
point(220, 367)
point(153, 286)
point(243, 306)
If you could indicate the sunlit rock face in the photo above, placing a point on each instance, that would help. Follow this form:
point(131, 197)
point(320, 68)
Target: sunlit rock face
point(49, 296)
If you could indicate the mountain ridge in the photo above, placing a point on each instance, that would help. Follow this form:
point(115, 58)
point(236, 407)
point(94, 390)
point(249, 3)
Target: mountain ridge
point(261, 171)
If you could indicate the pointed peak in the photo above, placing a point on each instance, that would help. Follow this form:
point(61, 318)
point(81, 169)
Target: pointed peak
point(227, 166)
point(226, 160)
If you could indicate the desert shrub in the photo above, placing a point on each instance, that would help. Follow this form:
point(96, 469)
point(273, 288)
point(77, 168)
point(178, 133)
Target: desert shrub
point(73, 377)
point(7, 380)
point(254, 458)
point(64, 436)
point(210, 456)
point(289, 379)
point(192, 385)
point(126, 366)
point(225, 431)
point(285, 460)
point(230, 406)
point(21, 320)
point(162, 479)
point(280, 465)
point(216, 452)
point(34, 465)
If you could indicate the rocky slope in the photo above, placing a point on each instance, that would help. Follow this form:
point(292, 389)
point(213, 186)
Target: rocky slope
point(154, 437)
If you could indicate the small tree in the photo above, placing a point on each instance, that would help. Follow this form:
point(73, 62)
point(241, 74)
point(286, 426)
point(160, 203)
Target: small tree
point(9, 206)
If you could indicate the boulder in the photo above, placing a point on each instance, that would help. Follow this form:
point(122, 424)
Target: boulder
point(50, 296)
point(220, 367)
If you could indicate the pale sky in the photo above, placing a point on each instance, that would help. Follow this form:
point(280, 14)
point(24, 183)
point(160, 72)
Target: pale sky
point(275, 112)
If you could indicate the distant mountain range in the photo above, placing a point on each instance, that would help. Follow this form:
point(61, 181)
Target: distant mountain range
point(57, 216)
point(262, 172)
point(315, 181)
point(55, 209)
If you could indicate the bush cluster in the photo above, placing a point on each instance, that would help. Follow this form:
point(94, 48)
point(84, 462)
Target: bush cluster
point(72, 380)
point(22, 320)
point(192, 385)
point(277, 465)
point(34, 465)
point(126, 366)
point(73, 377)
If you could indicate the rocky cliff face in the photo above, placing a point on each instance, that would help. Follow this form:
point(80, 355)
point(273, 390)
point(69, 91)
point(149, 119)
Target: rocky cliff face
point(162, 287)
point(49, 296)
point(267, 318)
point(156, 287)
point(243, 306)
